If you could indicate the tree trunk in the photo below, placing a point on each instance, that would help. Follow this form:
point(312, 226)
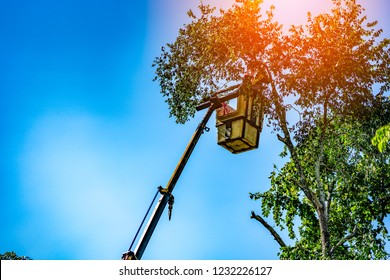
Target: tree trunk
point(324, 231)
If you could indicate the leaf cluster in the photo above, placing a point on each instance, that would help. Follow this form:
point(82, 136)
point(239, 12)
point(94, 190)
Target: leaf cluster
point(382, 137)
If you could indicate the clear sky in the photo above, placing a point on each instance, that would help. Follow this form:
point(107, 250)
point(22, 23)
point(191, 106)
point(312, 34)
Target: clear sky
point(86, 138)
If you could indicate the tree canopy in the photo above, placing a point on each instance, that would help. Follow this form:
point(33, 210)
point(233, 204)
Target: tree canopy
point(322, 86)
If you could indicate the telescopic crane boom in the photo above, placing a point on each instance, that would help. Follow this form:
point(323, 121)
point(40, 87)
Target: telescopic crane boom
point(166, 196)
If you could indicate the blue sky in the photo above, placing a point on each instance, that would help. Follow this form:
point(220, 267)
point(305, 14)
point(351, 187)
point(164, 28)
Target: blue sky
point(86, 138)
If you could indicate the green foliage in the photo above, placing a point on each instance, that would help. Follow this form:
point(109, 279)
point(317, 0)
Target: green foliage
point(316, 82)
point(13, 256)
point(212, 51)
point(316, 63)
point(382, 137)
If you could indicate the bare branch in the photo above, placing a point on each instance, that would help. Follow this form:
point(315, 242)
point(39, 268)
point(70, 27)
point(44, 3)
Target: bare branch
point(343, 240)
point(270, 229)
point(330, 194)
point(281, 112)
point(281, 139)
point(319, 160)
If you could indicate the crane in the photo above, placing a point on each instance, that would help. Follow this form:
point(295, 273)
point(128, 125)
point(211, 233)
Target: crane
point(166, 197)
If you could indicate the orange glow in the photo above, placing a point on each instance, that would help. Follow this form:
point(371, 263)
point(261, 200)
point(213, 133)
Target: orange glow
point(287, 12)
point(295, 12)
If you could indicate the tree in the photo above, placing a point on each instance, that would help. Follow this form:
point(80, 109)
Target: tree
point(315, 82)
point(356, 178)
point(13, 256)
